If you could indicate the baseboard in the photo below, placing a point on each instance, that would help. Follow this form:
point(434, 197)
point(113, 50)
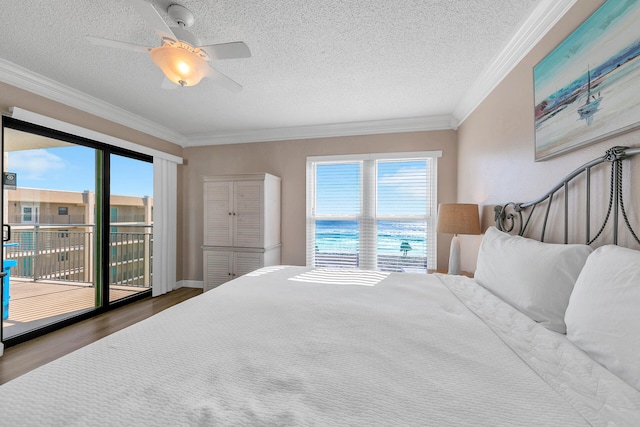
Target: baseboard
point(190, 284)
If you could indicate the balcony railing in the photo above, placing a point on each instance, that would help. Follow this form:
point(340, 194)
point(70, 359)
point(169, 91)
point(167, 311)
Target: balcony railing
point(52, 252)
point(391, 263)
point(52, 219)
point(130, 259)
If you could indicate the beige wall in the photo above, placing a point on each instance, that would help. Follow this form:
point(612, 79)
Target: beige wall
point(287, 159)
point(496, 142)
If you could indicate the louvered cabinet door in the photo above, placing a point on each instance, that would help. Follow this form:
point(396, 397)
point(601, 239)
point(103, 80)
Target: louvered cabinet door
point(218, 214)
point(248, 202)
point(246, 262)
point(218, 268)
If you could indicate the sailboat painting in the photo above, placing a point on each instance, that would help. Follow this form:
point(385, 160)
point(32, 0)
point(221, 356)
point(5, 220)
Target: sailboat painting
point(588, 88)
point(591, 103)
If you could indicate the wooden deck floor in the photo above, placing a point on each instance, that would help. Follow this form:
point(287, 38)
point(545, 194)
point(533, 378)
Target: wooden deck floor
point(35, 304)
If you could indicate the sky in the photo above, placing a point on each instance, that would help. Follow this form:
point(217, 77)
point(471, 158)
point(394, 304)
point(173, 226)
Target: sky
point(72, 168)
point(401, 188)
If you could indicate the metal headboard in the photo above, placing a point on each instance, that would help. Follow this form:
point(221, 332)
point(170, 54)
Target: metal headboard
point(516, 217)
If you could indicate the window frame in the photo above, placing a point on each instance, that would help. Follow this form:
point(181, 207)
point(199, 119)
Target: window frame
point(368, 201)
point(33, 214)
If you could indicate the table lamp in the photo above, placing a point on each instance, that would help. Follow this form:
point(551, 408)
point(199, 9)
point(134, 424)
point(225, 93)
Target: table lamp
point(457, 218)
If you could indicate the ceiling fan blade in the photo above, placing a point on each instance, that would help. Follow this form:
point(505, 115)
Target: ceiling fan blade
point(117, 44)
point(227, 50)
point(224, 81)
point(153, 18)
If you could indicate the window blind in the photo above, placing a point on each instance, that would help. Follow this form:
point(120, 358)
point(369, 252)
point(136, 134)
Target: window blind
point(374, 211)
point(336, 214)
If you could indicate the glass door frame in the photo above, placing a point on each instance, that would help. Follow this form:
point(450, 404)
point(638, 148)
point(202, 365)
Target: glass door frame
point(102, 220)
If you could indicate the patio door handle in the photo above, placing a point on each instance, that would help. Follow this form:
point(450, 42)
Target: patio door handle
point(6, 232)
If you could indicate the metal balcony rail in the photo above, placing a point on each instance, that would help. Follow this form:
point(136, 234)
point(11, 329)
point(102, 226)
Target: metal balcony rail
point(53, 219)
point(390, 263)
point(130, 258)
point(55, 253)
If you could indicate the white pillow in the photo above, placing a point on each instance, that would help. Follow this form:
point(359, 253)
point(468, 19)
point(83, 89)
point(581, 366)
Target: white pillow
point(603, 316)
point(534, 277)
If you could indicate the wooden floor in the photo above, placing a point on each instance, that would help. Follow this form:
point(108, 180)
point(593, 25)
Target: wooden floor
point(24, 357)
point(35, 304)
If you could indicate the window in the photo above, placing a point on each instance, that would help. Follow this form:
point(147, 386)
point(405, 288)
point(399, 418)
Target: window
point(26, 214)
point(374, 211)
point(30, 214)
point(62, 210)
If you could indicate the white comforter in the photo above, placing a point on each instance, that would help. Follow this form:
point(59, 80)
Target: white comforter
point(295, 346)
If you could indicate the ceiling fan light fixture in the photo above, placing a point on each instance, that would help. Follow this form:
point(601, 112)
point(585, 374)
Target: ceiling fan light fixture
point(181, 57)
point(182, 66)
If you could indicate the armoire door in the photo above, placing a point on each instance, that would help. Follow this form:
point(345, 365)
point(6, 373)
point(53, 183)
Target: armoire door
point(248, 231)
point(218, 214)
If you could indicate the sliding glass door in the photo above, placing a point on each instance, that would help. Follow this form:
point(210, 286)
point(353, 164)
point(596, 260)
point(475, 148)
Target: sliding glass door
point(76, 239)
point(131, 226)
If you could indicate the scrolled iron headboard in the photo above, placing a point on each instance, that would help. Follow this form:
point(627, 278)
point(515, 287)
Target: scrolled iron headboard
point(516, 217)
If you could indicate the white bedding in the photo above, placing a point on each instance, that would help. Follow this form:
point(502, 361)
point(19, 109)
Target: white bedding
point(398, 349)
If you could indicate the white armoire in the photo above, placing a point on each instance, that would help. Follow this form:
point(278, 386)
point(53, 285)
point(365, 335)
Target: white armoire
point(241, 225)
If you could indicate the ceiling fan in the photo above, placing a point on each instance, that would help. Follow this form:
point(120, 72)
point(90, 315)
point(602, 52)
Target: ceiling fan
point(181, 58)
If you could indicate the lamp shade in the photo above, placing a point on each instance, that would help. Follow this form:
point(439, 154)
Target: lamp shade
point(181, 66)
point(458, 218)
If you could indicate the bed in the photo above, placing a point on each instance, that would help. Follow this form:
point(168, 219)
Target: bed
point(292, 346)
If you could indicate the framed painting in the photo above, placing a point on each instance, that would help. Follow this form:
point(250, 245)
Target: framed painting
point(588, 88)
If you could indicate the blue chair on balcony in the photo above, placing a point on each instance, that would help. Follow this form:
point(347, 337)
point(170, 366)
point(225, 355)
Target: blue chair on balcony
point(6, 280)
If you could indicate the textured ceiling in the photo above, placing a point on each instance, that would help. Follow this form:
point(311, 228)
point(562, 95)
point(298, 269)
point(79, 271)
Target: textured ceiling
point(315, 64)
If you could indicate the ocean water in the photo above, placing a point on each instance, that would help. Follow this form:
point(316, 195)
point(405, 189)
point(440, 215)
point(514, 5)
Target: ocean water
point(343, 236)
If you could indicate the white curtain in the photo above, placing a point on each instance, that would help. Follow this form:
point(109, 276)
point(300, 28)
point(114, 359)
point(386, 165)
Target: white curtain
point(165, 194)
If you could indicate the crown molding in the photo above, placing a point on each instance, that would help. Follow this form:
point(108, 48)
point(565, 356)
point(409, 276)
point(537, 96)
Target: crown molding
point(25, 79)
point(541, 20)
point(414, 124)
